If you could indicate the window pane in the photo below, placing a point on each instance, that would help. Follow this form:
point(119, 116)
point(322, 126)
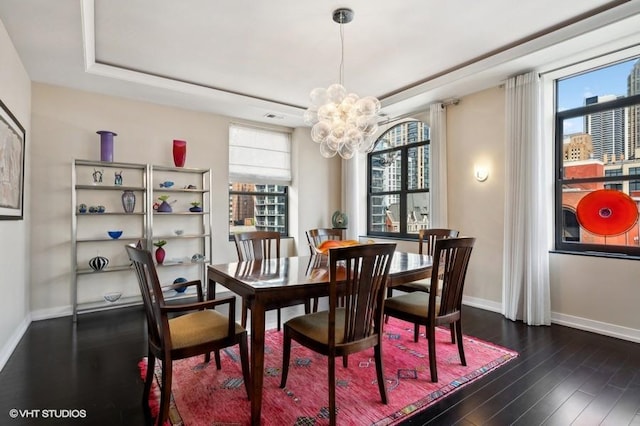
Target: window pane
point(403, 134)
point(573, 232)
point(418, 168)
point(417, 212)
point(386, 171)
point(385, 213)
point(257, 207)
point(604, 83)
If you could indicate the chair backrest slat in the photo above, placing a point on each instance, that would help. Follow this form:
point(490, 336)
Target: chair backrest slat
point(257, 245)
point(429, 237)
point(359, 275)
point(316, 236)
point(151, 292)
point(450, 263)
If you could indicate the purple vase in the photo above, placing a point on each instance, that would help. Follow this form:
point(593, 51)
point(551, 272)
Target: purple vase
point(106, 145)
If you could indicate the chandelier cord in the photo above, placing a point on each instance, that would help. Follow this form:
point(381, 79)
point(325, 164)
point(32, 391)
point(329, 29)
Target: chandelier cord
point(341, 76)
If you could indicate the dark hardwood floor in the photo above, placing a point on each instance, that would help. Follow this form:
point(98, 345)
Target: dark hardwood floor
point(562, 376)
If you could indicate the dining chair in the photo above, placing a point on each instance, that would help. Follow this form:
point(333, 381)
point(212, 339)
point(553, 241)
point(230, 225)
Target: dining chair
point(199, 330)
point(443, 304)
point(426, 245)
point(358, 274)
point(261, 245)
point(317, 236)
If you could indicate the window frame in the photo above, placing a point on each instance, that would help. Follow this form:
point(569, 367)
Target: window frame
point(404, 190)
point(560, 181)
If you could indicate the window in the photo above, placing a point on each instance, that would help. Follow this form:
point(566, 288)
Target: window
point(398, 181)
point(597, 125)
point(259, 175)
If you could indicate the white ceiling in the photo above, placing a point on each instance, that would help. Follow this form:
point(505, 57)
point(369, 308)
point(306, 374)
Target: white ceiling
point(248, 58)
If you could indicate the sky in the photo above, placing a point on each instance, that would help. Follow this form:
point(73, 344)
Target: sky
point(572, 91)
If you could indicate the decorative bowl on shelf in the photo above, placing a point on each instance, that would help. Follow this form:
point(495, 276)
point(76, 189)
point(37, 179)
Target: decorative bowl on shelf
point(180, 280)
point(112, 296)
point(179, 231)
point(196, 258)
point(115, 234)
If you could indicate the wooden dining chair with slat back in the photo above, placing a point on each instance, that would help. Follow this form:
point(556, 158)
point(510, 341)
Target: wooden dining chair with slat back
point(317, 236)
point(426, 245)
point(443, 304)
point(199, 330)
point(260, 245)
point(359, 275)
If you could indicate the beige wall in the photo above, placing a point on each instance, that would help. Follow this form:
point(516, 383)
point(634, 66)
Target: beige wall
point(475, 134)
point(15, 93)
point(64, 127)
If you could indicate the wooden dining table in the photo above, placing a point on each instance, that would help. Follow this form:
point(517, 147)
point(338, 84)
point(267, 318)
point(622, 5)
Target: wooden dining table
point(269, 284)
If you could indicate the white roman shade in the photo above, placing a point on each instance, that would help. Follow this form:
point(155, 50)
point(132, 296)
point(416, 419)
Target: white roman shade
point(259, 155)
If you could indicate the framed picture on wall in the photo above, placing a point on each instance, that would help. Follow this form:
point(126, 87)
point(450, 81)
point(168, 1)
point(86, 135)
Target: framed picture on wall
point(12, 153)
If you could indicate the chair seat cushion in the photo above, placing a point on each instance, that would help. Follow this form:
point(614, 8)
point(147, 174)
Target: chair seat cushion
point(416, 304)
point(199, 327)
point(316, 326)
point(420, 285)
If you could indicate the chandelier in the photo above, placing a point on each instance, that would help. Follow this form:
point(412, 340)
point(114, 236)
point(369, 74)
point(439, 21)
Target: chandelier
point(342, 122)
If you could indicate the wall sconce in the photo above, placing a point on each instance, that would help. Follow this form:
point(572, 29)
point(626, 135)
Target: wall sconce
point(481, 173)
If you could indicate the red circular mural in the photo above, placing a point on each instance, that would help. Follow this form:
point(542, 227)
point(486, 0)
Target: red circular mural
point(607, 212)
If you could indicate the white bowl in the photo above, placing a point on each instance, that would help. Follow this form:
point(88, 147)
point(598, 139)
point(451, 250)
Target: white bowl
point(112, 296)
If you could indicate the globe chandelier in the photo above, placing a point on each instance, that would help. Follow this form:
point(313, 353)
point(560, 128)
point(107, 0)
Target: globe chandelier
point(342, 123)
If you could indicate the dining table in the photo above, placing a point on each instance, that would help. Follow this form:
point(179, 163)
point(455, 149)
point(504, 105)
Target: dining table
point(272, 283)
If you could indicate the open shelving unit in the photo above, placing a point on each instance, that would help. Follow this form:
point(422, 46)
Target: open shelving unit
point(89, 236)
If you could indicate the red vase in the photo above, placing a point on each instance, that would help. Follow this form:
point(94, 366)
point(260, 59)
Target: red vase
point(160, 253)
point(179, 152)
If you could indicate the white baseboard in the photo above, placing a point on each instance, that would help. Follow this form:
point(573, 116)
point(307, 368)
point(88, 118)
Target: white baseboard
point(598, 327)
point(585, 324)
point(49, 313)
point(13, 341)
point(487, 305)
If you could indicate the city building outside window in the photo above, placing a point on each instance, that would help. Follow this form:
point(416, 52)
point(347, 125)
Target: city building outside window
point(398, 182)
point(597, 139)
point(259, 175)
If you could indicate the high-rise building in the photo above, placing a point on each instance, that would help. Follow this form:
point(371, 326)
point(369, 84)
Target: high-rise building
point(633, 112)
point(607, 130)
point(577, 147)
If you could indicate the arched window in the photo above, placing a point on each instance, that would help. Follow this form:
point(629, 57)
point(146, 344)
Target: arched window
point(398, 181)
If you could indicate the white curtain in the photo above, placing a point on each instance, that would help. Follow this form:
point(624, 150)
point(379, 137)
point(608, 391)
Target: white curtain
point(525, 278)
point(438, 169)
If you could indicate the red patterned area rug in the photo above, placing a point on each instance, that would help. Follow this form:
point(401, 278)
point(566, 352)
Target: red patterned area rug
point(203, 395)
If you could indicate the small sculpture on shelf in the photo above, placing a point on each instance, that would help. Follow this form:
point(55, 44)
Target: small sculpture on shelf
point(97, 176)
point(82, 208)
point(118, 178)
point(164, 206)
point(195, 207)
point(166, 184)
point(98, 263)
point(160, 253)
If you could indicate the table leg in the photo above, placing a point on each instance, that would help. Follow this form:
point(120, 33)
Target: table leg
point(211, 288)
point(257, 358)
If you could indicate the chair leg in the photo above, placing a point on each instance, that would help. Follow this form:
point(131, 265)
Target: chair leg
point(458, 327)
point(382, 385)
point(453, 332)
point(315, 304)
point(332, 391)
point(165, 393)
point(244, 361)
point(243, 318)
point(279, 319)
point(207, 357)
point(286, 355)
point(431, 336)
point(416, 332)
point(151, 364)
point(345, 361)
point(307, 307)
point(216, 354)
